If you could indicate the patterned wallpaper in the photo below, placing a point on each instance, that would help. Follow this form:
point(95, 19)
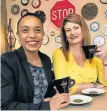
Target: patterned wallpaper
point(53, 11)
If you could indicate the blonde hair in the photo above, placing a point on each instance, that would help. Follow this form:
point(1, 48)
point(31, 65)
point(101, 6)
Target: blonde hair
point(74, 18)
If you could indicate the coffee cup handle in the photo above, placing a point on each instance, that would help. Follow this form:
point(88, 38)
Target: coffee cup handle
point(96, 49)
point(71, 82)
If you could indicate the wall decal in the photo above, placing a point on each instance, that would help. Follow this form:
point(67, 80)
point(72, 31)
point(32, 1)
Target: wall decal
point(58, 39)
point(103, 1)
point(99, 40)
point(24, 2)
point(94, 26)
point(52, 33)
point(36, 3)
point(59, 11)
point(105, 14)
point(15, 9)
point(104, 30)
point(45, 40)
point(89, 11)
point(24, 11)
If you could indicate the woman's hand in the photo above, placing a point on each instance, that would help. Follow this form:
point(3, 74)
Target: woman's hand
point(102, 54)
point(47, 99)
point(59, 101)
point(99, 85)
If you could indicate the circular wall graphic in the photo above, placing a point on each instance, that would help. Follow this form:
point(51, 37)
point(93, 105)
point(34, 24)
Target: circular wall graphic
point(52, 33)
point(89, 11)
point(105, 14)
point(24, 11)
point(58, 39)
point(99, 40)
point(45, 40)
point(36, 3)
point(15, 9)
point(24, 2)
point(103, 1)
point(104, 30)
point(94, 26)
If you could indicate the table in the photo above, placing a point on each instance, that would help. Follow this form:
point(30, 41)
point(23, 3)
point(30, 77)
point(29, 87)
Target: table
point(98, 103)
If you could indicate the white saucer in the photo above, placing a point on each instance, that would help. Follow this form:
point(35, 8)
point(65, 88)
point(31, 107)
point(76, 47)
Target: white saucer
point(93, 91)
point(82, 99)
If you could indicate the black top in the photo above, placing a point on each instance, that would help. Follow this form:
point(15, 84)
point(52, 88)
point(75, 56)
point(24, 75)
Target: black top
point(17, 87)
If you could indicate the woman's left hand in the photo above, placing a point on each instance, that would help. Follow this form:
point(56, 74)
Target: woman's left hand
point(102, 54)
point(99, 85)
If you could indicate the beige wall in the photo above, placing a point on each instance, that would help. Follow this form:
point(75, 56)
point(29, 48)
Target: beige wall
point(46, 5)
point(3, 28)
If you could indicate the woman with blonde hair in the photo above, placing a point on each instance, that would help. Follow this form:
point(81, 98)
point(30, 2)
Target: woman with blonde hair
point(70, 60)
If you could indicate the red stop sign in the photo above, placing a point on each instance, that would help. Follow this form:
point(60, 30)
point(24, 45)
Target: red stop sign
point(59, 11)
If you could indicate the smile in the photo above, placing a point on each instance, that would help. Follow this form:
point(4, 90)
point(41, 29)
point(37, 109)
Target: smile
point(31, 43)
point(74, 37)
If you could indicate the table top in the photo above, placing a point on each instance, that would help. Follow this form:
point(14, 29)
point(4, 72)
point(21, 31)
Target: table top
point(99, 103)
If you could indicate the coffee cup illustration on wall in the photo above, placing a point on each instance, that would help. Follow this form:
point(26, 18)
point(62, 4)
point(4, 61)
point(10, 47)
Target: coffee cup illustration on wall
point(89, 51)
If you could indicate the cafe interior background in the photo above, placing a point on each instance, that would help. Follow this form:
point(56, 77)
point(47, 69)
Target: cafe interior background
point(52, 12)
